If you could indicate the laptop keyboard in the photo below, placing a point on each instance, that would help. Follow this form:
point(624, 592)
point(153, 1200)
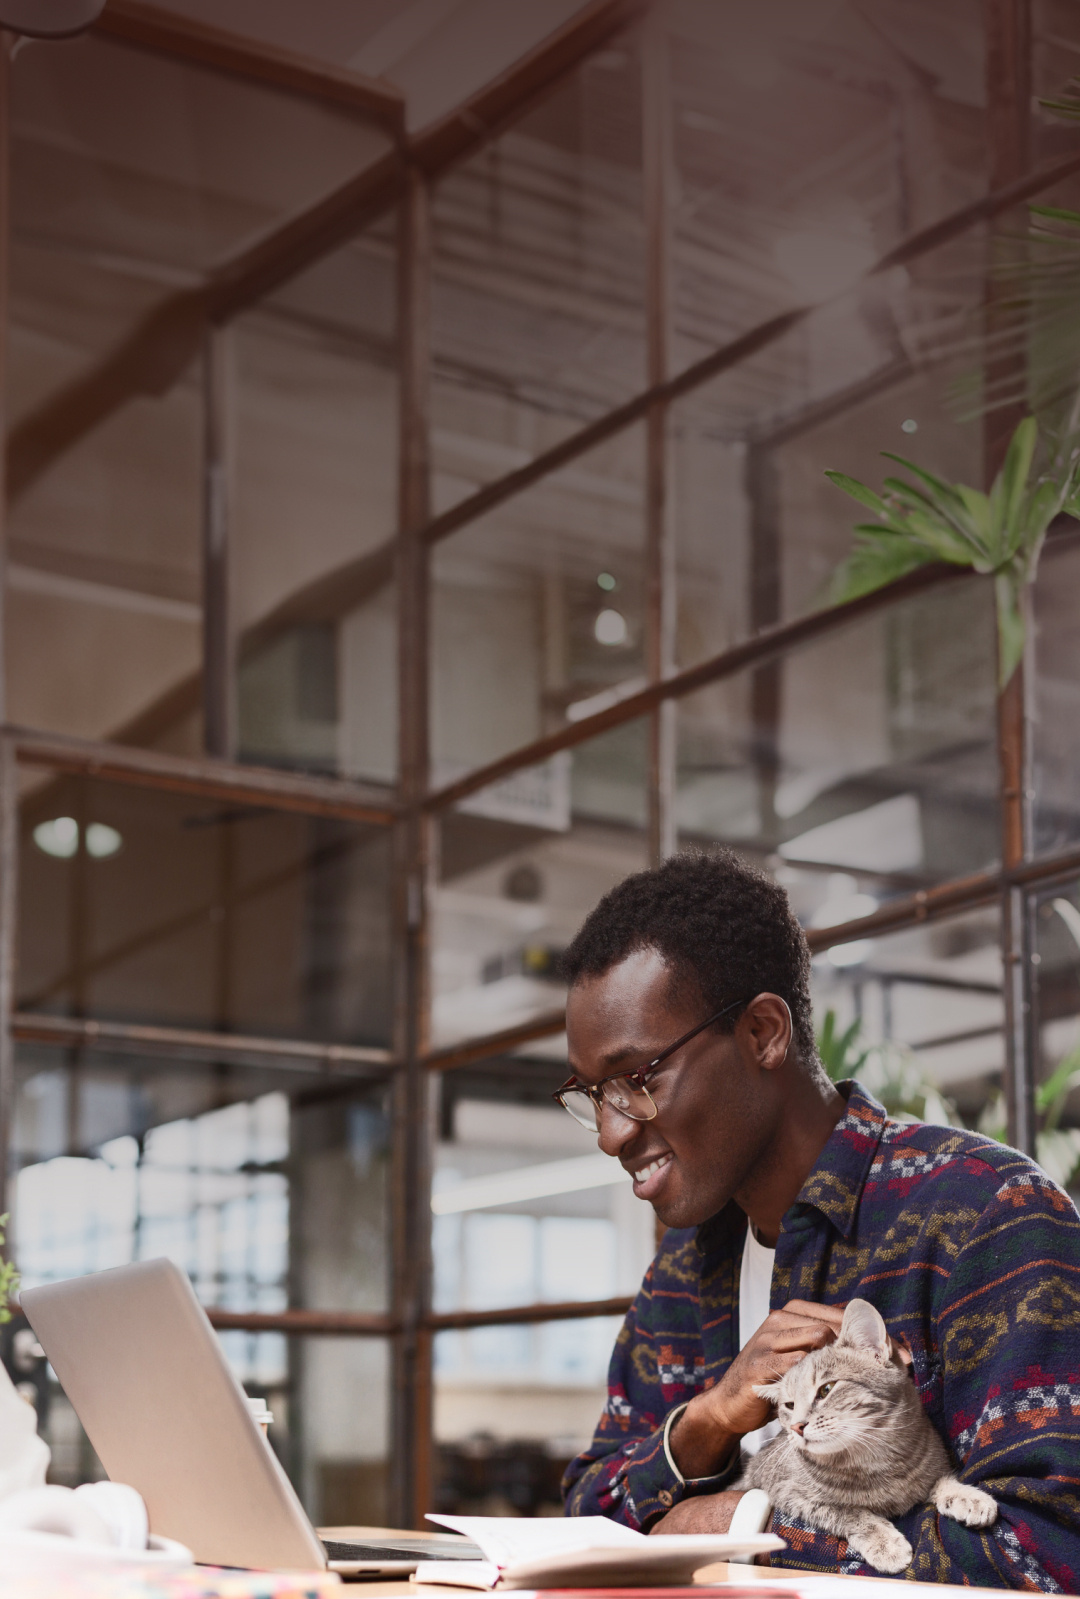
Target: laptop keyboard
point(401, 1549)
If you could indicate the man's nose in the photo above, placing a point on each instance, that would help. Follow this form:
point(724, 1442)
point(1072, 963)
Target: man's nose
point(614, 1130)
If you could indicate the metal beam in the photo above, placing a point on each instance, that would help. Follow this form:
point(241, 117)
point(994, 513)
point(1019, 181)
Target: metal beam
point(410, 1208)
point(9, 789)
point(219, 50)
point(219, 656)
point(335, 1061)
point(768, 645)
point(1008, 98)
point(216, 780)
point(660, 572)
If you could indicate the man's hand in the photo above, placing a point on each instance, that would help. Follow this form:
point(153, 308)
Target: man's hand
point(710, 1427)
point(709, 1513)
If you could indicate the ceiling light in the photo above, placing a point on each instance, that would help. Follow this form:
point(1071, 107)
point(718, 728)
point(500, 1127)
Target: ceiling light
point(102, 840)
point(909, 426)
point(59, 837)
point(610, 628)
point(605, 581)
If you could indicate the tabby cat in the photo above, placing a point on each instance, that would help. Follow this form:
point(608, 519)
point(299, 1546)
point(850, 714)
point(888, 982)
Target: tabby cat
point(856, 1446)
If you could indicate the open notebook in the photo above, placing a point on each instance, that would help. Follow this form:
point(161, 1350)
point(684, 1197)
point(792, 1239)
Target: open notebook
point(582, 1552)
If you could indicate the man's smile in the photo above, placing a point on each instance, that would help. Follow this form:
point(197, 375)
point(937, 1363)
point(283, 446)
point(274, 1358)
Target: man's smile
point(649, 1175)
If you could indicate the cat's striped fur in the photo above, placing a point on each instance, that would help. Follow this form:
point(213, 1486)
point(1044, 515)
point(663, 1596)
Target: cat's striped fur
point(857, 1447)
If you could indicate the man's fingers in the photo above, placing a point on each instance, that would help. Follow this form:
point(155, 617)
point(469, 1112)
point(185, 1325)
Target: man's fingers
point(810, 1335)
point(832, 1314)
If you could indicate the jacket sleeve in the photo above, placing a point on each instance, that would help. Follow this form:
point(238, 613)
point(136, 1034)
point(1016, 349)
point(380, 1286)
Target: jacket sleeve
point(625, 1473)
point(1007, 1328)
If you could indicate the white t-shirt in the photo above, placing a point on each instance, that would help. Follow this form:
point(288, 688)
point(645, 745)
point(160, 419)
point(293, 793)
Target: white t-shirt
point(755, 1285)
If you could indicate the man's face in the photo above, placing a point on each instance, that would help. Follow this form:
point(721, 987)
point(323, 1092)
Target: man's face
point(715, 1109)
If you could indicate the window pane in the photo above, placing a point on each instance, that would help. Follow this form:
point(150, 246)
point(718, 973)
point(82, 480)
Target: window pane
point(268, 1187)
point(859, 165)
point(539, 608)
point(328, 1398)
point(141, 905)
point(871, 750)
point(929, 1005)
point(315, 499)
point(521, 865)
point(538, 320)
point(759, 529)
point(526, 1210)
point(1057, 1015)
point(133, 176)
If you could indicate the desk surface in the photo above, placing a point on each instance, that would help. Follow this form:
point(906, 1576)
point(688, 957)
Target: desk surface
point(722, 1572)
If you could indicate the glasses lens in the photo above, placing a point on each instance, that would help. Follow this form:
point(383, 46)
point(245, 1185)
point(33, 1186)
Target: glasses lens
point(629, 1099)
point(581, 1108)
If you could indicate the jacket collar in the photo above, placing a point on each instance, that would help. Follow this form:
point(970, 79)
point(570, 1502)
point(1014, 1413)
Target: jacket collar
point(834, 1186)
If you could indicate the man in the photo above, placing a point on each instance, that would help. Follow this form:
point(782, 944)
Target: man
point(744, 1147)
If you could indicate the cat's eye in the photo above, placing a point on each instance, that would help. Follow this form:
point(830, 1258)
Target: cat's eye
point(825, 1388)
point(789, 1404)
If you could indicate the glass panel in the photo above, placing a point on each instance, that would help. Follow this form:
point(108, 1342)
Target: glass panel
point(759, 529)
point(929, 1003)
point(142, 905)
point(521, 865)
point(538, 317)
point(132, 177)
point(859, 161)
point(526, 1210)
point(316, 412)
point(1056, 693)
point(538, 609)
point(871, 750)
point(1057, 1016)
point(268, 1188)
point(329, 1401)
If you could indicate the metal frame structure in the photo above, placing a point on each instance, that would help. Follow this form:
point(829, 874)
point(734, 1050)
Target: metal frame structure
point(196, 321)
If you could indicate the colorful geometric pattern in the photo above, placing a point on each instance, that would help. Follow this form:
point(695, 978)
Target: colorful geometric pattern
point(972, 1255)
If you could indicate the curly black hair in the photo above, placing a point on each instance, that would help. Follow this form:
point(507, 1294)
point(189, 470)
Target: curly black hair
point(722, 926)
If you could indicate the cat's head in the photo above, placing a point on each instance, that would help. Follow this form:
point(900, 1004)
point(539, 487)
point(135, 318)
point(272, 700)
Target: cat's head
point(840, 1399)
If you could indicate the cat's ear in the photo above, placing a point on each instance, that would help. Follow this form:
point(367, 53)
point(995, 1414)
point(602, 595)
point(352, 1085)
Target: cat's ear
point(863, 1328)
point(769, 1391)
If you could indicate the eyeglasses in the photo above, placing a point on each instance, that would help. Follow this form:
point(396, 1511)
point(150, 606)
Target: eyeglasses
point(625, 1090)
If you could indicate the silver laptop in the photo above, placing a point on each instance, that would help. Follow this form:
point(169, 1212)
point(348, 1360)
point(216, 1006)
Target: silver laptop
point(148, 1379)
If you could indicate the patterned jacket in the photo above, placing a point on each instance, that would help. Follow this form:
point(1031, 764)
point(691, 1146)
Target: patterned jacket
point(972, 1255)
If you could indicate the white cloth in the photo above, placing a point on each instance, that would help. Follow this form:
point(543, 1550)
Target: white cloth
point(24, 1457)
point(755, 1287)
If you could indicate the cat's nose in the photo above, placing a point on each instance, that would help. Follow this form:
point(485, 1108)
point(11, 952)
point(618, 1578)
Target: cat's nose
point(797, 1426)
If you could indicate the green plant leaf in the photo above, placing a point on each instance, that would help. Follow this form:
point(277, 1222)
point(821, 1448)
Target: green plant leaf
point(859, 491)
point(1016, 470)
point(1056, 212)
point(875, 562)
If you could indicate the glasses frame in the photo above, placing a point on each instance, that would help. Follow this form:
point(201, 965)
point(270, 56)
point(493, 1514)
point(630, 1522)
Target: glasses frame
point(637, 1078)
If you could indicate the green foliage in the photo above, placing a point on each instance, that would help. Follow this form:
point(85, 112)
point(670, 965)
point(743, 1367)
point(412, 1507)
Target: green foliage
point(9, 1278)
point(999, 534)
point(1057, 1148)
point(896, 1077)
point(839, 1053)
point(888, 1070)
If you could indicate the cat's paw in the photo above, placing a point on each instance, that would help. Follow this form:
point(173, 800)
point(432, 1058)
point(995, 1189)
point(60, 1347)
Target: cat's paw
point(965, 1504)
point(882, 1547)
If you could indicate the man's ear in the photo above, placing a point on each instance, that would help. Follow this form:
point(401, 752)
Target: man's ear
point(863, 1328)
point(768, 1021)
point(769, 1391)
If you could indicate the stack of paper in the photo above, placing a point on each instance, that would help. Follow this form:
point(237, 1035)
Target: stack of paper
point(581, 1552)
